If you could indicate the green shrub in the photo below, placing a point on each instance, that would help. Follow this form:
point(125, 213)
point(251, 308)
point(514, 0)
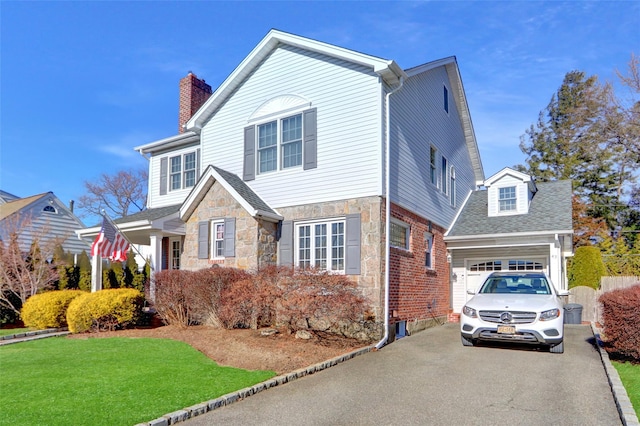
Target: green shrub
point(105, 310)
point(586, 268)
point(48, 310)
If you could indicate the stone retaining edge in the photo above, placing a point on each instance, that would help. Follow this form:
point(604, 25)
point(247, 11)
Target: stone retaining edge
point(32, 335)
point(228, 399)
point(623, 403)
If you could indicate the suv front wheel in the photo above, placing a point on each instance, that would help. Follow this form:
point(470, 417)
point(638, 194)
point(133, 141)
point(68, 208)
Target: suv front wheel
point(557, 349)
point(465, 341)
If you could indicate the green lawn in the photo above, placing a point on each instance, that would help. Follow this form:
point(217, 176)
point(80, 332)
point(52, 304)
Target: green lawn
point(9, 331)
point(630, 376)
point(110, 381)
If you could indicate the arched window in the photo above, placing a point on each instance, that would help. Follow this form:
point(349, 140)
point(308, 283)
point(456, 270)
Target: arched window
point(49, 209)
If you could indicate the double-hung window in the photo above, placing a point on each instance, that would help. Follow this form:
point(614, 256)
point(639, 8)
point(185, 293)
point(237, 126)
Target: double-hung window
point(182, 171)
point(321, 245)
point(432, 165)
point(428, 250)
point(507, 201)
point(444, 171)
point(217, 239)
point(452, 186)
point(280, 144)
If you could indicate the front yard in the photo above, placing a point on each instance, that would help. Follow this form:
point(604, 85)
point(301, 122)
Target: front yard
point(630, 377)
point(114, 381)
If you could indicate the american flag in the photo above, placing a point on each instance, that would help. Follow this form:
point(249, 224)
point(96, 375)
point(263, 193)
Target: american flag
point(110, 243)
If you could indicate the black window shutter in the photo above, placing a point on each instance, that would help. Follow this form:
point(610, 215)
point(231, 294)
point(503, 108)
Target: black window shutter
point(352, 256)
point(230, 237)
point(163, 175)
point(310, 150)
point(249, 171)
point(203, 240)
point(285, 245)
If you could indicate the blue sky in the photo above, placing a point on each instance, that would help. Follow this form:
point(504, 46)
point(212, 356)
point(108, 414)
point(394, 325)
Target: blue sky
point(84, 82)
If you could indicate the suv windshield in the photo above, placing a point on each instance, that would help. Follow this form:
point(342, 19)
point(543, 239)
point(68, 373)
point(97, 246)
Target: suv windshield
point(516, 284)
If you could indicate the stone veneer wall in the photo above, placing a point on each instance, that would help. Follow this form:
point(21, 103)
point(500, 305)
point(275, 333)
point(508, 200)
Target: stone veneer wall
point(255, 240)
point(371, 278)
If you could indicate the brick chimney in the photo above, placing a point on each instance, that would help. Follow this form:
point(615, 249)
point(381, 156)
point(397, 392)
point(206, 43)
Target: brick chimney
point(193, 94)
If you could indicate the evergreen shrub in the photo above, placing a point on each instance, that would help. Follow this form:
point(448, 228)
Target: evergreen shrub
point(621, 317)
point(49, 309)
point(587, 268)
point(105, 310)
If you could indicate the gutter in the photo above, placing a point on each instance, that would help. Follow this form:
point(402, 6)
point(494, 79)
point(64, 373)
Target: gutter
point(387, 231)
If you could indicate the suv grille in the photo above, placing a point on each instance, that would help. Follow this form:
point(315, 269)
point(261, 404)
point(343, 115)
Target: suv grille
point(517, 317)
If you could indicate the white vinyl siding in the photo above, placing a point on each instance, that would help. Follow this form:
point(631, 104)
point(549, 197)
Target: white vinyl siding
point(348, 100)
point(520, 192)
point(418, 123)
point(188, 175)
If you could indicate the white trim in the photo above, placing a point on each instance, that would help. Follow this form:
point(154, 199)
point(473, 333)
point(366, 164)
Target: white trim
point(387, 69)
point(455, 219)
point(329, 238)
point(209, 177)
point(509, 235)
point(169, 143)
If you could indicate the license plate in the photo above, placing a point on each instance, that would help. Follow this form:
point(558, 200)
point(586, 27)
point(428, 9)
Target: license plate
point(506, 329)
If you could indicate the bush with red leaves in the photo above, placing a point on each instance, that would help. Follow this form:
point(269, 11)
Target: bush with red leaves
point(621, 316)
point(185, 298)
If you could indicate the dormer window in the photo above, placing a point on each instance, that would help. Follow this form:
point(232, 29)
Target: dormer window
point(507, 199)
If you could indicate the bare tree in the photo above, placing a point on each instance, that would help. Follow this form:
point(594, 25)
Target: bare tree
point(24, 273)
point(119, 195)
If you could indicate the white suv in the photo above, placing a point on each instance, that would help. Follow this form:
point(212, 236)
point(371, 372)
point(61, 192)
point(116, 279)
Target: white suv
point(515, 307)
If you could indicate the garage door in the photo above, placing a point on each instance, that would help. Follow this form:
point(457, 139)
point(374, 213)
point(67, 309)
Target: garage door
point(479, 269)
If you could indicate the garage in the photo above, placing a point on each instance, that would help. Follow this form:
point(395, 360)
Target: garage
point(510, 224)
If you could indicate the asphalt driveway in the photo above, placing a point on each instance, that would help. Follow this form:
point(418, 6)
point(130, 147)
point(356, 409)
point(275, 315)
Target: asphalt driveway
point(431, 379)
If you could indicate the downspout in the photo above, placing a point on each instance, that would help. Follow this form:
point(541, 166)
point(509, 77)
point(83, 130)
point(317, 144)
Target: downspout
point(387, 231)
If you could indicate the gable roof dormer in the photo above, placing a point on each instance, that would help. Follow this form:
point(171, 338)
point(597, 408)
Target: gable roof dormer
point(509, 192)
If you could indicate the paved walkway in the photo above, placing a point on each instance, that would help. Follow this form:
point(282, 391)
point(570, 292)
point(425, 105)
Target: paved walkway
point(431, 379)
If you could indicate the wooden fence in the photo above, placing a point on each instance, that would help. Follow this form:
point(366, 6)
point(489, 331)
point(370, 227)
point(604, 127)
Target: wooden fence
point(588, 297)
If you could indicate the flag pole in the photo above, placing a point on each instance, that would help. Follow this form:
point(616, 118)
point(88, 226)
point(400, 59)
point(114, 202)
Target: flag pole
point(106, 216)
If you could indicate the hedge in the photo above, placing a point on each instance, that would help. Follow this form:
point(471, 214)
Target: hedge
point(48, 310)
point(105, 310)
point(621, 317)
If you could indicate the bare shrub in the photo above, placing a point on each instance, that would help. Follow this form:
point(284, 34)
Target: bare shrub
point(250, 303)
point(320, 301)
point(172, 296)
point(208, 285)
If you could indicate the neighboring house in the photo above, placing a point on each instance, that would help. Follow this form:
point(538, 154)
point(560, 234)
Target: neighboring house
point(286, 162)
point(40, 216)
point(514, 224)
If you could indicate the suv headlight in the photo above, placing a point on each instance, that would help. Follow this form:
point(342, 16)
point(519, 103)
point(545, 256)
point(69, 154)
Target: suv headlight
point(470, 312)
point(549, 315)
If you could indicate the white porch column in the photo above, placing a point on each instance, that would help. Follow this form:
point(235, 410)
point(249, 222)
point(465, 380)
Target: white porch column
point(156, 262)
point(555, 266)
point(96, 273)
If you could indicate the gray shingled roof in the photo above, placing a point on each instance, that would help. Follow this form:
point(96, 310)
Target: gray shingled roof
point(550, 210)
point(244, 191)
point(150, 214)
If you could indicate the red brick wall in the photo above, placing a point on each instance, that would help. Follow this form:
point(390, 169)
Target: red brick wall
point(193, 94)
point(413, 286)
